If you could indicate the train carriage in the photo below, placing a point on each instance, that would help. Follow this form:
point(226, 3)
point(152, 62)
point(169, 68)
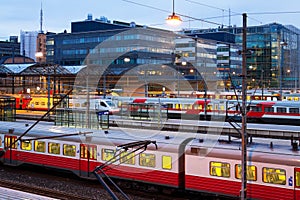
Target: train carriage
point(82, 154)
point(276, 112)
point(181, 160)
point(271, 173)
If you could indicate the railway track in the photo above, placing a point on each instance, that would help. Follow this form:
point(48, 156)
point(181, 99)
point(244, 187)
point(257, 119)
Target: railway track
point(66, 186)
point(40, 191)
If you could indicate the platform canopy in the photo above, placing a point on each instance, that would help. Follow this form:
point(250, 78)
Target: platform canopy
point(46, 69)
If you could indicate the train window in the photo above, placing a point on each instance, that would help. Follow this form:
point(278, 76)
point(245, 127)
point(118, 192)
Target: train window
point(294, 110)
point(43, 103)
point(39, 146)
point(127, 158)
point(88, 151)
point(26, 145)
point(269, 109)
point(69, 150)
point(297, 179)
point(177, 106)
point(219, 169)
point(36, 103)
point(255, 109)
point(147, 160)
point(8, 140)
point(77, 105)
point(281, 110)
point(275, 176)
point(53, 148)
point(108, 154)
point(209, 107)
point(197, 107)
point(166, 162)
point(222, 107)
point(103, 104)
point(169, 105)
point(251, 172)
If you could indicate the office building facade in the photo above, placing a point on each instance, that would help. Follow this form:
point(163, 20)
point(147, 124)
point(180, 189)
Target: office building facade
point(28, 41)
point(216, 59)
point(272, 54)
point(9, 48)
point(117, 47)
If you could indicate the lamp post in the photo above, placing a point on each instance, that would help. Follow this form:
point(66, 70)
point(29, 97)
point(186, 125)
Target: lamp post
point(39, 56)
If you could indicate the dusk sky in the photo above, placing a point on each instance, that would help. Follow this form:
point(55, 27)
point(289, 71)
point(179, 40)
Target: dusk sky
point(17, 15)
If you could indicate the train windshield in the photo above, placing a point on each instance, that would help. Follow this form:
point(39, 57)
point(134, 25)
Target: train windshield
point(111, 104)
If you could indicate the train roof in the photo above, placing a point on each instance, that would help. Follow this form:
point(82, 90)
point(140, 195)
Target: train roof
point(260, 150)
point(114, 136)
point(211, 144)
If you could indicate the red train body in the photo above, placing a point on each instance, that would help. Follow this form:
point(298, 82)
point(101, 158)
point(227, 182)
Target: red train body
point(181, 160)
point(277, 112)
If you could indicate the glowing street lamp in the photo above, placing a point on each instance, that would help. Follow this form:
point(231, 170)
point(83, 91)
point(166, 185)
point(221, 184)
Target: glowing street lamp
point(174, 20)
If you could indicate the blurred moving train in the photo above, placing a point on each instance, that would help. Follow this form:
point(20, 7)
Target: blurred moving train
point(279, 112)
point(43, 102)
point(40, 102)
point(276, 112)
point(185, 161)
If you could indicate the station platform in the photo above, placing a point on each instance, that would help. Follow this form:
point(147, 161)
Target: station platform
point(224, 128)
point(201, 126)
point(10, 194)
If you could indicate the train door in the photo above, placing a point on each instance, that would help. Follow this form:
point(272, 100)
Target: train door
point(219, 110)
point(297, 184)
point(10, 156)
point(88, 158)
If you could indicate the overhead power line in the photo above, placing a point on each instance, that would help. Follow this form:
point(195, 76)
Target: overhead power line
point(275, 13)
point(167, 11)
point(208, 19)
point(223, 10)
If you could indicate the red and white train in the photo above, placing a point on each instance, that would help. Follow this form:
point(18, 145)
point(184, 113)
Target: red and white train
point(277, 112)
point(43, 102)
point(185, 161)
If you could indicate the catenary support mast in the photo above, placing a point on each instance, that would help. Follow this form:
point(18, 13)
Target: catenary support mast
point(244, 111)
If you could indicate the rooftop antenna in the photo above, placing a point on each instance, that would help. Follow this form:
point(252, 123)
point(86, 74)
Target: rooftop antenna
point(41, 19)
point(229, 17)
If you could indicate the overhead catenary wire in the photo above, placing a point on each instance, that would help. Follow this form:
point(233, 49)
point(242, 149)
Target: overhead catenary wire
point(208, 19)
point(167, 11)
